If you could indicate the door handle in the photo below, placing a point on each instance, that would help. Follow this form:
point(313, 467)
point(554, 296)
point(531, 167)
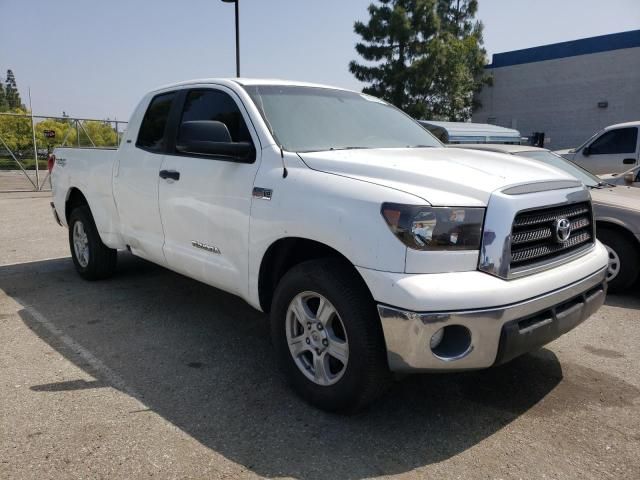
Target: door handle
point(629, 161)
point(172, 174)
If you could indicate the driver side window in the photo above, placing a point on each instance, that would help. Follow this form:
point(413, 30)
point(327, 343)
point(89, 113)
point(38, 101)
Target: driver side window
point(207, 104)
point(622, 140)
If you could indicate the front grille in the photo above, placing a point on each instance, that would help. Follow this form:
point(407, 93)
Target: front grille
point(533, 236)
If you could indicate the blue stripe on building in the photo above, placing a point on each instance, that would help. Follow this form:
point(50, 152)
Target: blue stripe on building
point(584, 46)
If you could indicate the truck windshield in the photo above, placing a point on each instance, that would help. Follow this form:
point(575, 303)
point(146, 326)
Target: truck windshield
point(305, 119)
point(571, 168)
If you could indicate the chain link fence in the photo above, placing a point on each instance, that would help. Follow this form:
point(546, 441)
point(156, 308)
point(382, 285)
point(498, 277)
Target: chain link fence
point(26, 141)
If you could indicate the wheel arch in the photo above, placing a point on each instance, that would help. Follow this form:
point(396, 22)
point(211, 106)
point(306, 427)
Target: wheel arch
point(75, 198)
point(285, 253)
point(618, 227)
point(104, 217)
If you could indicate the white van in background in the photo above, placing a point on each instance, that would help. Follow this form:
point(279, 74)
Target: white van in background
point(611, 150)
point(469, 132)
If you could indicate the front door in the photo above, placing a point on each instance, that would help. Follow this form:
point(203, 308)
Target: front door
point(614, 151)
point(135, 180)
point(205, 212)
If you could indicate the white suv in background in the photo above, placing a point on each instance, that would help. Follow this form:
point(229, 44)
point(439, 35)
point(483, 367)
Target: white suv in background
point(611, 150)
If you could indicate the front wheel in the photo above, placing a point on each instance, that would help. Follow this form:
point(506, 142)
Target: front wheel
point(623, 260)
point(327, 336)
point(92, 258)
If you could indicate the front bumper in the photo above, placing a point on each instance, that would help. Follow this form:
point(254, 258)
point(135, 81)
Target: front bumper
point(496, 334)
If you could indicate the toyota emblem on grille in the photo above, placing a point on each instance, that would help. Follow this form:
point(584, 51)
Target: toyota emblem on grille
point(562, 230)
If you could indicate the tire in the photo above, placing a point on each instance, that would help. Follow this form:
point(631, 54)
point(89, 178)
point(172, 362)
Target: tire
point(624, 259)
point(353, 333)
point(100, 260)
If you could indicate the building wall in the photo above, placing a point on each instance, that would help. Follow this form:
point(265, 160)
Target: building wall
point(560, 96)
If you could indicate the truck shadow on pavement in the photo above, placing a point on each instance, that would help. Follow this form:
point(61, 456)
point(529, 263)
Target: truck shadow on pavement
point(201, 359)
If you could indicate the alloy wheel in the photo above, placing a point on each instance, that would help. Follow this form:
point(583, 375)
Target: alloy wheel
point(317, 338)
point(81, 244)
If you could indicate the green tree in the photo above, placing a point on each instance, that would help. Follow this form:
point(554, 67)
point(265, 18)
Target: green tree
point(424, 56)
point(61, 130)
point(4, 106)
point(11, 92)
point(16, 132)
point(101, 133)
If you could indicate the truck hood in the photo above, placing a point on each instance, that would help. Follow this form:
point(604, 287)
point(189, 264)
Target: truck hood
point(563, 151)
point(440, 176)
point(567, 153)
point(623, 197)
point(610, 176)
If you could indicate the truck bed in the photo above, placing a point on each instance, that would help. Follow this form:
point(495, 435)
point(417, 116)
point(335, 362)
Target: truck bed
point(91, 171)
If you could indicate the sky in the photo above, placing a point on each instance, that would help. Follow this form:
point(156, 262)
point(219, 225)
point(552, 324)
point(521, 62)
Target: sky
point(96, 58)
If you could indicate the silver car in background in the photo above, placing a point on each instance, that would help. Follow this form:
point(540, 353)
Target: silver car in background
point(616, 210)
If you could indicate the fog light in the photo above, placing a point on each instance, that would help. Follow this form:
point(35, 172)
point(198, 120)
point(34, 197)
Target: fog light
point(436, 339)
point(452, 342)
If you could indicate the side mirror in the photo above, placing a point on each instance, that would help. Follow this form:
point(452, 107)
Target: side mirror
point(629, 178)
point(210, 137)
point(586, 151)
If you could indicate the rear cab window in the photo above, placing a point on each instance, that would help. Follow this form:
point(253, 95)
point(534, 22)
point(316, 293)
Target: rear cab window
point(152, 134)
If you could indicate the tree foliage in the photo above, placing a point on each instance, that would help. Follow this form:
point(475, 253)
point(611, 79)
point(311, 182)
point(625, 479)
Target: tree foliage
point(11, 92)
point(16, 132)
point(4, 106)
point(424, 56)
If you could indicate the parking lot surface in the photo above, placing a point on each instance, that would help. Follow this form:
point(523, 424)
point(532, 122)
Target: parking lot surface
point(152, 375)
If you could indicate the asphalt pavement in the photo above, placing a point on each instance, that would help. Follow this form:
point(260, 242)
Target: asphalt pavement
point(153, 375)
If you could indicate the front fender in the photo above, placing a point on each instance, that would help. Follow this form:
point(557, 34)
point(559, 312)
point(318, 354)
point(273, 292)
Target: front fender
point(339, 212)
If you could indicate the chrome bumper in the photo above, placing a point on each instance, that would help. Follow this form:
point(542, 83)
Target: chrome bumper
point(497, 334)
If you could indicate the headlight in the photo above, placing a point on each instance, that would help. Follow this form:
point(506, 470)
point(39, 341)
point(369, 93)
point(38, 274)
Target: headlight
point(435, 228)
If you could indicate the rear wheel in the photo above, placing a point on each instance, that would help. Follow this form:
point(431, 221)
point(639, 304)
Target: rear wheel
point(624, 259)
point(328, 337)
point(92, 258)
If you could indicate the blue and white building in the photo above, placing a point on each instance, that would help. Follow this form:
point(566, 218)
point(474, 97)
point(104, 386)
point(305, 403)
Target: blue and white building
point(567, 90)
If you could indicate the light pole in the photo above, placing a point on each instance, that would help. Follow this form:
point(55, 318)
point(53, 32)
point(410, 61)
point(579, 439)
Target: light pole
point(237, 35)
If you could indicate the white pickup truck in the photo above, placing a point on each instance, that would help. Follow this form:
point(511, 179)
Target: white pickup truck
point(374, 249)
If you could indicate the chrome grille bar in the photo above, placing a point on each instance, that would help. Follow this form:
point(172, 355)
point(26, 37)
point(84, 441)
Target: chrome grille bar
point(526, 219)
point(524, 254)
point(546, 232)
point(533, 234)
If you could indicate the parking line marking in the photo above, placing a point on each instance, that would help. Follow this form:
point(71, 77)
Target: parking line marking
point(108, 375)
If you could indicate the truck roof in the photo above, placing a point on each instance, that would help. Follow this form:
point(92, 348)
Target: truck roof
point(246, 82)
point(626, 124)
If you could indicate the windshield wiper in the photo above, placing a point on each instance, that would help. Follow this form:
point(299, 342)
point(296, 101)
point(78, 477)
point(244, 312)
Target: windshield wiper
point(349, 148)
point(602, 185)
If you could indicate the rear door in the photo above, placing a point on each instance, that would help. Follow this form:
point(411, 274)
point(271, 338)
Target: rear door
point(612, 152)
point(205, 213)
point(135, 181)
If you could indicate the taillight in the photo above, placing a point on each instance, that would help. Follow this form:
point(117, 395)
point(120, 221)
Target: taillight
point(51, 161)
